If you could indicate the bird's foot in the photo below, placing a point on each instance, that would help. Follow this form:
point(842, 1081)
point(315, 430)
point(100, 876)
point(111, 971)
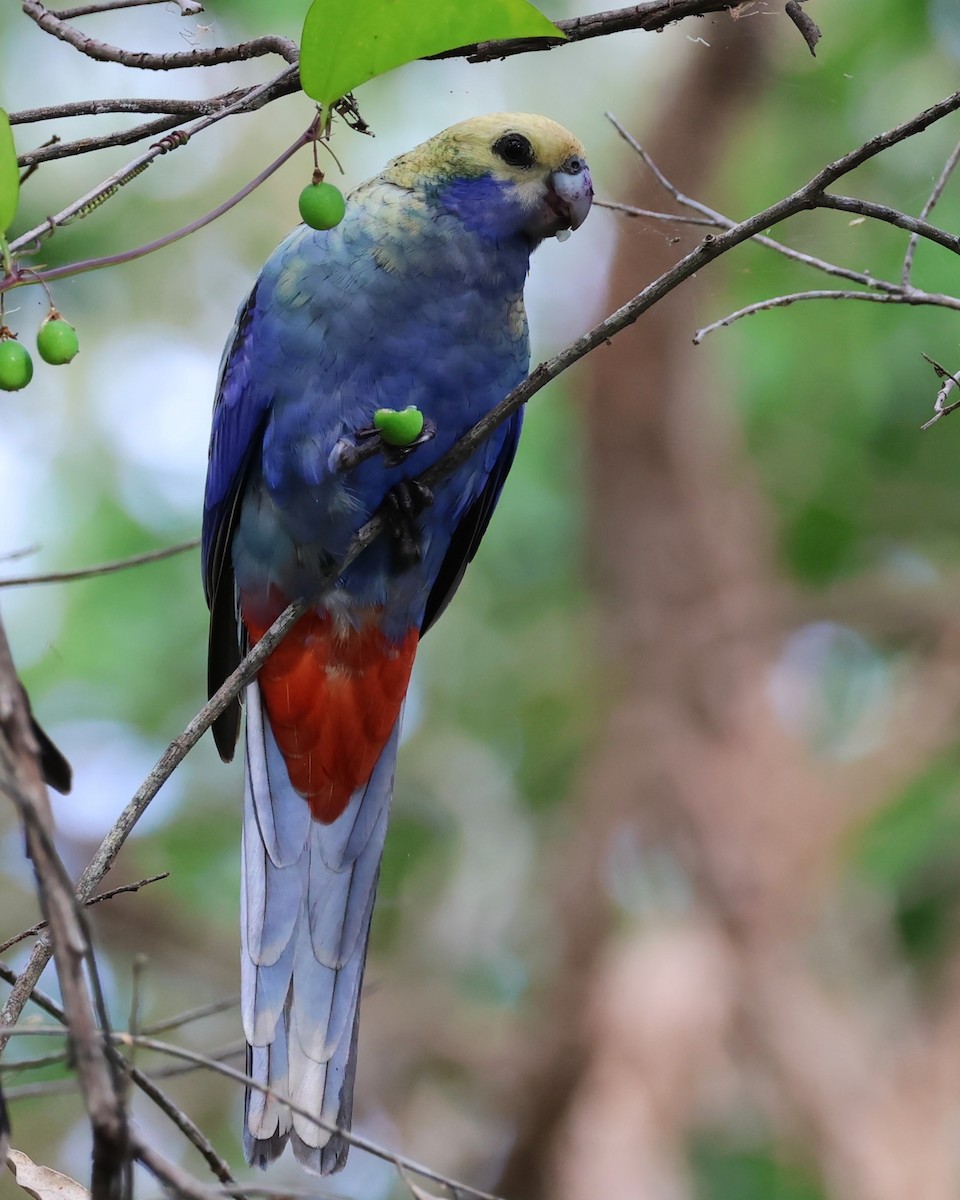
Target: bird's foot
point(403, 504)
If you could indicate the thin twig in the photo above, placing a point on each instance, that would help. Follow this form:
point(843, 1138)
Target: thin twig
point(147, 1084)
point(891, 216)
point(68, 1087)
point(809, 29)
point(948, 169)
point(104, 568)
point(940, 406)
point(884, 291)
point(240, 100)
point(191, 1015)
point(911, 297)
point(177, 1182)
point(649, 17)
point(188, 8)
point(127, 104)
point(25, 278)
point(356, 1140)
point(135, 167)
point(117, 891)
point(711, 216)
point(38, 997)
point(631, 210)
point(55, 148)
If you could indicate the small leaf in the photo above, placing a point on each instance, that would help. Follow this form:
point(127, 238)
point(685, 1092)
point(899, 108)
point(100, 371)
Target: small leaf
point(344, 45)
point(43, 1183)
point(9, 175)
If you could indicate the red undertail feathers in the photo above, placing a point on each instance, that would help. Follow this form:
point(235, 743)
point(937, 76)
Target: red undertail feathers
point(332, 697)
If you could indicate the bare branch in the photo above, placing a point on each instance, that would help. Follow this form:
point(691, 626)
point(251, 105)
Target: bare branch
point(128, 104)
point(631, 210)
point(892, 216)
point(941, 407)
point(809, 30)
point(105, 568)
point(911, 297)
point(717, 219)
point(650, 17)
point(21, 277)
point(39, 998)
point(401, 1162)
point(124, 889)
point(948, 169)
point(240, 100)
point(884, 291)
point(188, 8)
point(175, 1179)
point(56, 148)
point(145, 1083)
point(51, 23)
point(193, 1014)
point(125, 105)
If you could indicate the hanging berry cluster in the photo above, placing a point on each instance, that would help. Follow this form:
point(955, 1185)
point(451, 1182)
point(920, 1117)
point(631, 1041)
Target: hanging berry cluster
point(57, 344)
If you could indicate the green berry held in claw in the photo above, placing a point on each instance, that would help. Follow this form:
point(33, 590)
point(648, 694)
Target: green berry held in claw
point(322, 205)
point(399, 428)
point(16, 365)
point(57, 341)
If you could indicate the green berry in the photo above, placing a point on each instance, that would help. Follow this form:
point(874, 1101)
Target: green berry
point(16, 365)
point(322, 205)
point(399, 428)
point(57, 341)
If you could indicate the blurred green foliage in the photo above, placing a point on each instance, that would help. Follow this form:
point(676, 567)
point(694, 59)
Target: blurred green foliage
point(736, 1172)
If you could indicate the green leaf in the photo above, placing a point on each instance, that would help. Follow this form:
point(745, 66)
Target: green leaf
point(9, 175)
point(345, 44)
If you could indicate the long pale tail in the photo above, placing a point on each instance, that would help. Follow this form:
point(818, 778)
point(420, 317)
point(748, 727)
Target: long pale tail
point(306, 903)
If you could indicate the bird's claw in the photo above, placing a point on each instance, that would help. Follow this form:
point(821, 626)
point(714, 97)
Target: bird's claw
point(403, 504)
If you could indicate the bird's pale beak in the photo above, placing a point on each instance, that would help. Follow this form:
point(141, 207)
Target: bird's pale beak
point(567, 201)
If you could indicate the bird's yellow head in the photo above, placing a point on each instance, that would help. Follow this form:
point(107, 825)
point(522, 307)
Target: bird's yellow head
point(503, 174)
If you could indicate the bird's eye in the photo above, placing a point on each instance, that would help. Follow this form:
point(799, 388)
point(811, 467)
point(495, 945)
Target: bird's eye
point(515, 150)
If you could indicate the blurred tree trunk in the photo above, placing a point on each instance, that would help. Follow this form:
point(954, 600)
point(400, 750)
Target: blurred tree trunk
point(649, 487)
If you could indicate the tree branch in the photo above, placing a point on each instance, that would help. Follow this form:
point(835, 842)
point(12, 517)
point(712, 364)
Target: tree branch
point(50, 22)
point(909, 297)
point(25, 276)
point(650, 17)
point(123, 890)
point(105, 568)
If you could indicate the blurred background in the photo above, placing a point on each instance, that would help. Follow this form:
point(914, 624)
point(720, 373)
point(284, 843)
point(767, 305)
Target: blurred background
point(670, 900)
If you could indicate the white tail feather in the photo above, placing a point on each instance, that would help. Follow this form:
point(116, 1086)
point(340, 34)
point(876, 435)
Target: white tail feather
point(306, 903)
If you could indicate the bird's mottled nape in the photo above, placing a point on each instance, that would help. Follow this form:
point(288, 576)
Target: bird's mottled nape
point(415, 298)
